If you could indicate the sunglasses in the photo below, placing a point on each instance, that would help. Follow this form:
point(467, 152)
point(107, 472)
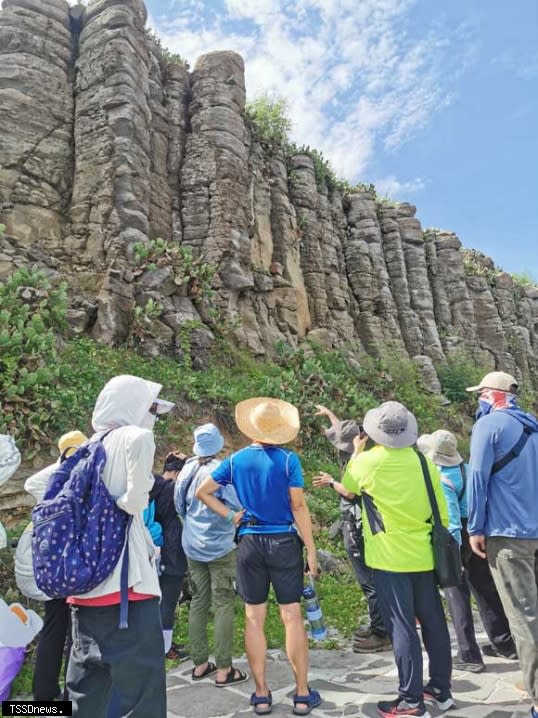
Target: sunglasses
point(154, 411)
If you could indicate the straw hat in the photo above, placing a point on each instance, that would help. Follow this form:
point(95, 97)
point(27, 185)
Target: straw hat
point(499, 380)
point(270, 421)
point(441, 447)
point(71, 441)
point(392, 425)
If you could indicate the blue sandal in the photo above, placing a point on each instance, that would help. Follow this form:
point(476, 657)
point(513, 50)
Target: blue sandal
point(257, 701)
point(312, 700)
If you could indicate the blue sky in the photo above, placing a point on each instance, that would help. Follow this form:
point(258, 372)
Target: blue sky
point(434, 101)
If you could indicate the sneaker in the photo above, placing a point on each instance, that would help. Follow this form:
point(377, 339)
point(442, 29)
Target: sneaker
point(494, 652)
point(400, 707)
point(372, 644)
point(443, 701)
point(468, 667)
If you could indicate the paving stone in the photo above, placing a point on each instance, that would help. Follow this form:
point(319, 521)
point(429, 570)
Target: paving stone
point(350, 684)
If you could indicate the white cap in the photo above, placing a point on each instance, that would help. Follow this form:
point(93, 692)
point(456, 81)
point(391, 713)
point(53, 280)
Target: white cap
point(163, 406)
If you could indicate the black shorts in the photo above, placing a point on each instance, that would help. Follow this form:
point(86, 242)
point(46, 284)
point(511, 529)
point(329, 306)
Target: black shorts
point(265, 559)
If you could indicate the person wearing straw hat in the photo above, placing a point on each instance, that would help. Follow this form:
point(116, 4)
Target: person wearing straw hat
point(503, 520)
point(269, 483)
point(208, 542)
point(397, 535)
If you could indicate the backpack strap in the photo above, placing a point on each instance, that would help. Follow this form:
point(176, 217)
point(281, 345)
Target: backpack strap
point(514, 452)
point(124, 580)
point(189, 483)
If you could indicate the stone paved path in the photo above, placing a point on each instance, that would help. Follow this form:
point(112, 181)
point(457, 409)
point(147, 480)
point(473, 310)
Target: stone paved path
point(350, 685)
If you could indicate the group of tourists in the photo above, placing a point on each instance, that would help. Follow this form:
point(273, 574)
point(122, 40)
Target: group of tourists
point(241, 524)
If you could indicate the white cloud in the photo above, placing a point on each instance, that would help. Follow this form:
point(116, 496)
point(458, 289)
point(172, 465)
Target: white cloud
point(357, 76)
point(393, 188)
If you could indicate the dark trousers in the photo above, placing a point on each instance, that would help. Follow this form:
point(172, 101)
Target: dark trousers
point(131, 661)
point(171, 590)
point(487, 599)
point(354, 545)
point(50, 650)
point(461, 613)
point(402, 597)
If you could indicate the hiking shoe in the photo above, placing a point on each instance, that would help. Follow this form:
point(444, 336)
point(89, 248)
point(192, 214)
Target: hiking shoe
point(469, 667)
point(493, 652)
point(400, 707)
point(363, 632)
point(372, 644)
point(443, 700)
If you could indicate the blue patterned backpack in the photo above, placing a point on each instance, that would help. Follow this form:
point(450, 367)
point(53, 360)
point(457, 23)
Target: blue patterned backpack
point(78, 530)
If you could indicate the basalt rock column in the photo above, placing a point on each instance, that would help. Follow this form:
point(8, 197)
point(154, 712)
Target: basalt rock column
point(215, 176)
point(417, 279)
point(110, 205)
point(36, 118)
point(111, 191)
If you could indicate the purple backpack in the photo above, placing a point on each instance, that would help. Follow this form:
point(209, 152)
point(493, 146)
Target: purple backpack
point(78, 530)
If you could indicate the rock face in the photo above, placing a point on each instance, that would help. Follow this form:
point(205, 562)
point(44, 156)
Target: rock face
point(105, 146)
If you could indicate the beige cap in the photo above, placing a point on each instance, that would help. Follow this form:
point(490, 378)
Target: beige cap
point(441, 447)
point(71, 440)
point(270, 421)
point(499, 380)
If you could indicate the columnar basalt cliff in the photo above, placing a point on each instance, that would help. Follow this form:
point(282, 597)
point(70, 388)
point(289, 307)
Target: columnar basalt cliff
point(104, 146)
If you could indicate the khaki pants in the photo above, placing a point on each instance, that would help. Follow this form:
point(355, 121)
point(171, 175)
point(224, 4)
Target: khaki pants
point(212, 582)
point(514, 565)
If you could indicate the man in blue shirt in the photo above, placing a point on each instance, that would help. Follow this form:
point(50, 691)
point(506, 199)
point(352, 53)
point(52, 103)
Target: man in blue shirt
point(503, 515)
point(268, 480)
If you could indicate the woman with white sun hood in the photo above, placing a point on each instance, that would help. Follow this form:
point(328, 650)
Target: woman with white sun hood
point(104, 656)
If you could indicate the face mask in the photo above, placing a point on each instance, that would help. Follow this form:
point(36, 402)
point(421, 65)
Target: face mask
point(484, 408)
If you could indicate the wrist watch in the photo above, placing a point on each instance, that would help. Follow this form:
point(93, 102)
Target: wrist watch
point(332, 483)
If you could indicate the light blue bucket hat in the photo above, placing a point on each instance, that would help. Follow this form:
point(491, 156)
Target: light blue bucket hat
point(208, 440)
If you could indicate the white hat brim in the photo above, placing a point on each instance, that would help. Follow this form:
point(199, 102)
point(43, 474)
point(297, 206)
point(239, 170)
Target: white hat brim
point(163, 406)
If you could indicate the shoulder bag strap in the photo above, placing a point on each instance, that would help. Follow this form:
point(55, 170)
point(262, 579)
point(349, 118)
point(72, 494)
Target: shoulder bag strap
point(429, 488)
point(514, 452)
point(464, 479)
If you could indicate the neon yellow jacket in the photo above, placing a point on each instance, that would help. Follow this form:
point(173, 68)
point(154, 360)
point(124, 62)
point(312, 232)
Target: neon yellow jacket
point(396, 512)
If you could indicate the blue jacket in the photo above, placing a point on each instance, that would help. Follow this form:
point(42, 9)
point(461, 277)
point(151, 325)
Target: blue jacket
point(452, 484)
point(206, 535)
point(505, 503)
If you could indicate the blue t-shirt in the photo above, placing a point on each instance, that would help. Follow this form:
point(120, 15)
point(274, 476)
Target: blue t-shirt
point(262, 477)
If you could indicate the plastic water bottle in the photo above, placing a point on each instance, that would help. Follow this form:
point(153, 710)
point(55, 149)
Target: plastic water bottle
point(313, 612)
